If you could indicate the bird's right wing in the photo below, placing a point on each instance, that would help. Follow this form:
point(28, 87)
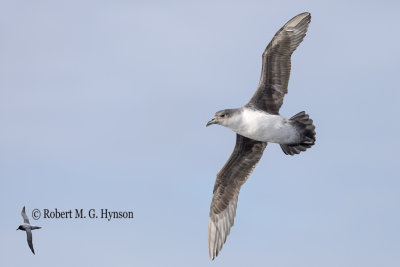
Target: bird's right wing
point(29, 239)
point(23, 213)
point(230, 178)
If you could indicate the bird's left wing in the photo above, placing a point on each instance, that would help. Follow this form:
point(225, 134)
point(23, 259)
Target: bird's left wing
point(230, 178)
point(29, 239)
point(23, 213)
point(276, 64)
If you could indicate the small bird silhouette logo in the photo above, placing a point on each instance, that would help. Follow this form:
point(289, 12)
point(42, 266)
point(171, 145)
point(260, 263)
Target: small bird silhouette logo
point(27, 227)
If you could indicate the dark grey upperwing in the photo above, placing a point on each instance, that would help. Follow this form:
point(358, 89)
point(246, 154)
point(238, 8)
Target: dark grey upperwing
point(23, 213)
point(276, 64)
point(230, 178)
point(29, 239)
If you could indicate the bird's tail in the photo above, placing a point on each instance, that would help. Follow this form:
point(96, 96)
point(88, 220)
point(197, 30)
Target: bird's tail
point(302, 122)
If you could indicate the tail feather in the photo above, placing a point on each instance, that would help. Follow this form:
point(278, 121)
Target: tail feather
point(302, 122)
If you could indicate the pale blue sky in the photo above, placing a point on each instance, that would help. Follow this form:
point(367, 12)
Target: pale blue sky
point(103, 104)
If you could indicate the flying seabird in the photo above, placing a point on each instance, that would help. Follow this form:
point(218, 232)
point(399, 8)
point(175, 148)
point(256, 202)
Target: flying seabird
point(27, 227)
point(257, 123)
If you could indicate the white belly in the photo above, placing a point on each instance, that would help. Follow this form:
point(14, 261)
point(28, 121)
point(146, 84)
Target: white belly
point(261, 126)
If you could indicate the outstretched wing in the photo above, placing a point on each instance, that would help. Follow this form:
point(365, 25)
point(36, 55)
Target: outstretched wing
point(230, 178)
point(29, 239)
point(276, 64)
point(23, 213)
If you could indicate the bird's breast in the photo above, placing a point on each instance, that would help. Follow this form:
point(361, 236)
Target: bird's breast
point(261, 126)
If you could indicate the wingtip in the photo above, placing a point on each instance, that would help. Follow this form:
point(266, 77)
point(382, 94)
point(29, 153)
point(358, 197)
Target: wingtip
point(304, 14)
point(213, 247)
point(213, 255)
point(296, 20)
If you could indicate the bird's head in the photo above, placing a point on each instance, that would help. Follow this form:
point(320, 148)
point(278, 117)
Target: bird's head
point(224, 117)
point(20, 228)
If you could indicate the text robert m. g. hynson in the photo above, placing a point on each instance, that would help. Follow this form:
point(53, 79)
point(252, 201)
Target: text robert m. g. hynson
point(81, 214)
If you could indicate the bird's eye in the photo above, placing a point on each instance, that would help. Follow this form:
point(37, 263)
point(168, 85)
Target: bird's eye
point(223, 115)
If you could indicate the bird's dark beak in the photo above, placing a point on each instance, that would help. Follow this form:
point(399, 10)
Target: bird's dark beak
point(213, 121)
point(17, 229)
